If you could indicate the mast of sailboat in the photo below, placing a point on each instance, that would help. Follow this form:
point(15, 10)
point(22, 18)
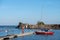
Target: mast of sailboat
point(41, 20)
point(41, 12)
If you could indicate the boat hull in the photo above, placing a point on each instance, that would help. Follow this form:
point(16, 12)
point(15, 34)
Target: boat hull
point(44, 33)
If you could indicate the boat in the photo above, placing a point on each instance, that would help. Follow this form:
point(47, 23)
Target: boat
point(43, 30)
point(44, 33)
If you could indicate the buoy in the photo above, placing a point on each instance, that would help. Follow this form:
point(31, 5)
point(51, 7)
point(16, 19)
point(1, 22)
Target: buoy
point(6, 31)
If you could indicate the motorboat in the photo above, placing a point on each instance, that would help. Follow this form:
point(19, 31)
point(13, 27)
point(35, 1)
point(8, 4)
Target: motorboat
point(44, 32)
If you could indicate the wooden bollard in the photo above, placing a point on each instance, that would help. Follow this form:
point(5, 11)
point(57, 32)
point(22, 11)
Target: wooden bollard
point(6, 38)
point(15, 36)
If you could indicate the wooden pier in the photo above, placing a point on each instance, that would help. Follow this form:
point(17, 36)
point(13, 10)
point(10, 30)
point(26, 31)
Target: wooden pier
point(15, 35)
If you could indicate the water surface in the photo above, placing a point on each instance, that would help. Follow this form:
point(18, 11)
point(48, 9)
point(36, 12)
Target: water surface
point(56, 35)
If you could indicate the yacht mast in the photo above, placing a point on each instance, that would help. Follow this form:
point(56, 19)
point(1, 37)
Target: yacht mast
point(41, 12)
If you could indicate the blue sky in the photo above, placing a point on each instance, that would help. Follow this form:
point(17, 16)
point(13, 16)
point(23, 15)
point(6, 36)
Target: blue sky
point(29, 11)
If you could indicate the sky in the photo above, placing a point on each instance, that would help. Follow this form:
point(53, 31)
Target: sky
point(29, 11)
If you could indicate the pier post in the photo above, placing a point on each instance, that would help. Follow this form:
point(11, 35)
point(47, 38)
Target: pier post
point(6, 39)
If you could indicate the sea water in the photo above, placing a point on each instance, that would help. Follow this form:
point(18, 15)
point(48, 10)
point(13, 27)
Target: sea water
point(12, 30)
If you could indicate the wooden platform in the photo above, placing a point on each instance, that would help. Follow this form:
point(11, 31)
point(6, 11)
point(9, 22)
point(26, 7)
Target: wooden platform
point(15, 35)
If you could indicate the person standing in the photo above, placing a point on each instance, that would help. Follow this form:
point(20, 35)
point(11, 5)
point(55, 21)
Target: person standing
point(22, 28)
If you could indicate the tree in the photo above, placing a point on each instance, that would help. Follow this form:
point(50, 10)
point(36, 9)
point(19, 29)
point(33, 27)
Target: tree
point(40, 24)
point(19, 25)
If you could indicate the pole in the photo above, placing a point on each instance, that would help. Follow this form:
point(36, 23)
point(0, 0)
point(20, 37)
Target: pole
point(41, 11)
